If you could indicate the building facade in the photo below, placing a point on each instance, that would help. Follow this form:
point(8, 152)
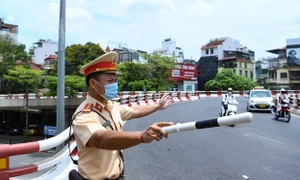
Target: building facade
point(284, 68)
point(41, 50)
point(170, 49)
point(9, 29)
point(49, 62)
point(129, 55)
point(224, 53)
point(261, 72)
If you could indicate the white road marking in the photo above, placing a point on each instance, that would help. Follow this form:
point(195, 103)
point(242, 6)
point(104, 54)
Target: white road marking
point(265, 138)
point(245, 177)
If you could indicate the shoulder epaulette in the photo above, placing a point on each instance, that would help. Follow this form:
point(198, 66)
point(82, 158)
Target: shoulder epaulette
point(87, 108)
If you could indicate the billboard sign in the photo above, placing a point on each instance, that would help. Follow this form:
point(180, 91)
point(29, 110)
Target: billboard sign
point(293, 51)
point(184, 71)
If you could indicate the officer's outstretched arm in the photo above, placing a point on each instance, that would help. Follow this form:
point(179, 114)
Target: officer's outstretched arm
point(118, 140)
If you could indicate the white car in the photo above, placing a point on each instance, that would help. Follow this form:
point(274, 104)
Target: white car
point(260, 100)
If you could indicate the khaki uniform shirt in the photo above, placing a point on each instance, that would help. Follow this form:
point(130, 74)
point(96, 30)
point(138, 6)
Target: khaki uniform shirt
point(98, 163)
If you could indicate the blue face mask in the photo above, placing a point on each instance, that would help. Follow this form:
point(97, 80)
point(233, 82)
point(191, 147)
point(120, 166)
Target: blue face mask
point(111, 91)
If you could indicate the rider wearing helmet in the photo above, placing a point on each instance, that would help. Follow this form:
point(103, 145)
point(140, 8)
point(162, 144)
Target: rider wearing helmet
point(282, 96)
point(227, 97)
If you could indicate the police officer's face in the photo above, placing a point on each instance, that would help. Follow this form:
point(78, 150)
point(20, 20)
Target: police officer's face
point(103, 80)
point(108, 79)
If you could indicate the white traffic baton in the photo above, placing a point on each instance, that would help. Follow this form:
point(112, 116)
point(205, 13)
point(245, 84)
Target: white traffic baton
point(215, 122)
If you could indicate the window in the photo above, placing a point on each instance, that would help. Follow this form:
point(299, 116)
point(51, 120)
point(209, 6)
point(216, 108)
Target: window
point(234, 71)
point(241, 72)
point(261, 94)
point(211, 51)
point(245, 65)
point(272, 75)
point(206, 51)
point(240, 64)
point(283, 75)
point(251, 74)
point(246, 73)
point(135, 56)
point(294, 75)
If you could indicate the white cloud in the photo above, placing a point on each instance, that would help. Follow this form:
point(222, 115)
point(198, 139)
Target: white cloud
point(10, 18)
point(143, 24)
point(72, 13)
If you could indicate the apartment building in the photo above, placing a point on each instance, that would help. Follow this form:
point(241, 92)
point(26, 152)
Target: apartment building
point(170, 49)
point(129, 55)
point(49, 62)
point(261, 72)
point(284, 68)
point(9, 29)
point(224, 53)
point(42, 49)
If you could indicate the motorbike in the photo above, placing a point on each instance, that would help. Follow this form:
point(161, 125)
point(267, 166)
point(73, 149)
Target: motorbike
point(231, 109)
point(285, 111)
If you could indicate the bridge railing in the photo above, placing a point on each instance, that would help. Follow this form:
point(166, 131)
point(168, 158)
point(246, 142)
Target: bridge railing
point(134, 93)
point(295, 103)
point(7, 150)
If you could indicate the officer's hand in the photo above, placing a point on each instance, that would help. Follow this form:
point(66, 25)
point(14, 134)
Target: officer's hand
point(155, 131)
point(165, 101)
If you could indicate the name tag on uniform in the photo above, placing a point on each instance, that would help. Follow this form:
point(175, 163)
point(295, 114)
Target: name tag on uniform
point(107, 123)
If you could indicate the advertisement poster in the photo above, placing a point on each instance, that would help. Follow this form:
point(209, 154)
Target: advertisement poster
point(293, 51)
point(293, 56)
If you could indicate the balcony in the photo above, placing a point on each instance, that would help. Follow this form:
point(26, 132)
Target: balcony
point(261, 76)
point(274, 80)
point(229, 64)
point(294, 68)
point(273, 66)
point(295, 79)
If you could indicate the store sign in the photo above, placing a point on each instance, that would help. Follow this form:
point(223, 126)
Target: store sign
point(184, 72)
point(49, 130)
point(189, 85)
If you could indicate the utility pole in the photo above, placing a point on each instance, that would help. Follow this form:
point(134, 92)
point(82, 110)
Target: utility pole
point(60, 108)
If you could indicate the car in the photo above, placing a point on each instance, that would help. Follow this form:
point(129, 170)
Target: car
point(16, 130)
point(260, 100)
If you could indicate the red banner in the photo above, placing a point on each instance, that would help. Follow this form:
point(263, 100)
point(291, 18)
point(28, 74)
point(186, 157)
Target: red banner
point(184, 71)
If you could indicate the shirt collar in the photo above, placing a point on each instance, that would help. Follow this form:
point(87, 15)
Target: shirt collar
point(95, 101)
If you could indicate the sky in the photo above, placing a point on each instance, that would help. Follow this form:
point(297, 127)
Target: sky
point(143, 24)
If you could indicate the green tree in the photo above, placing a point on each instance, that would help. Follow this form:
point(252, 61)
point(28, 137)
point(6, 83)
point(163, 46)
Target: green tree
point(77, 55)
point(10, 51)
point(73, 85)
point(135, 76)
point(25, 77)
point(226, 79)
point(159, 69)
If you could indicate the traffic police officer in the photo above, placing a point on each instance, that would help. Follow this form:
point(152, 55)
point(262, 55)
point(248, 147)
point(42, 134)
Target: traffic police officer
point(98, 122)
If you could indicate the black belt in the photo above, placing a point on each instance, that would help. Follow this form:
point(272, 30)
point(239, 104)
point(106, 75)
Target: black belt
point(74, 175)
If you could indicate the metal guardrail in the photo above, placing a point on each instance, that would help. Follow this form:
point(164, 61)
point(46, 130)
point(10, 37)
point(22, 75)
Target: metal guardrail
point(8, 150)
